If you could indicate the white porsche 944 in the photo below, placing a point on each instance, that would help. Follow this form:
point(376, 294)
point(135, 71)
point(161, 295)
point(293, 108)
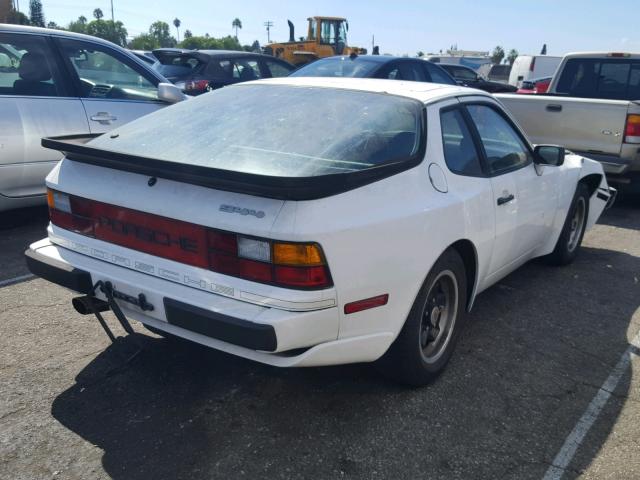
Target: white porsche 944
point(312, 221)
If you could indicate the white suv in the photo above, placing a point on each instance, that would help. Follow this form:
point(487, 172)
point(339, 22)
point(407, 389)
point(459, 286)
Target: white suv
point(58, 83)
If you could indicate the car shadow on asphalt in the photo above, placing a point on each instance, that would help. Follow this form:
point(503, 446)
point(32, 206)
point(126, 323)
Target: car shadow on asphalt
point(537, 347)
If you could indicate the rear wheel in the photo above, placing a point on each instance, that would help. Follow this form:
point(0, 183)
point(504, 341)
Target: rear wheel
point(431, 330)
point(573, 230)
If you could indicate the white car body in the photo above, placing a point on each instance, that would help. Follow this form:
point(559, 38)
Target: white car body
point(526, 67)
point(380, 238)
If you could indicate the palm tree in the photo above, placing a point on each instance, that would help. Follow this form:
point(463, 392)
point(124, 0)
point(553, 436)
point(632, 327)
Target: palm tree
point(176, 23)
point(236, 24)
point(97, 13)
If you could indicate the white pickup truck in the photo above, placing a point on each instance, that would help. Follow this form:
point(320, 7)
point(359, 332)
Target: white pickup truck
point(592, 108)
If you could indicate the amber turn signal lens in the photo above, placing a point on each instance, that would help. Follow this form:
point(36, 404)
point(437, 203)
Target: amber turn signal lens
point(296, 254)
point(50, 201)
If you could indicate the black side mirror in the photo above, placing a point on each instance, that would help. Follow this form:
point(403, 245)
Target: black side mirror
point(549, 155)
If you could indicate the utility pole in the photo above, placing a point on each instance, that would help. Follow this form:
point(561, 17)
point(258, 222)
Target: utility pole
point(112, 18)
point(268, 24)
point(373, 41)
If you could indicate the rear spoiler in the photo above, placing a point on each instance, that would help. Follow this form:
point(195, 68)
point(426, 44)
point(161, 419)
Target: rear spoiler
point(284, 188)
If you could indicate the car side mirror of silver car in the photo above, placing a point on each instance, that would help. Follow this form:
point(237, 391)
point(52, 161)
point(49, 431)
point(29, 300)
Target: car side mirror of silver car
point(168, 92)
point(549, 155)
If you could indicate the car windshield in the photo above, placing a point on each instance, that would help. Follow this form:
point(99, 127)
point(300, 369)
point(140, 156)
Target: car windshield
point(277, 130)
point(338, 67)
point(176, 65)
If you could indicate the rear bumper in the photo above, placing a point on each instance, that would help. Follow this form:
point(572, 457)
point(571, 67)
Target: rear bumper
point(259, 333)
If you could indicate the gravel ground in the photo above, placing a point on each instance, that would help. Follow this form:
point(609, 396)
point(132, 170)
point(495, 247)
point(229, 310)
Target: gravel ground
point(536, 350)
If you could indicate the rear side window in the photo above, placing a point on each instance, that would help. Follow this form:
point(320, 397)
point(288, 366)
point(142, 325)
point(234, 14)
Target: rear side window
point(616, 79)
point(27, 67)
point(460, 153)
point(360, 130)
point(277, 69)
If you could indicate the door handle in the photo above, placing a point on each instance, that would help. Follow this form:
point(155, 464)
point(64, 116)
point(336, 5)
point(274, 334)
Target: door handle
point(505, 199)
point(103, 117)
point(554, 107)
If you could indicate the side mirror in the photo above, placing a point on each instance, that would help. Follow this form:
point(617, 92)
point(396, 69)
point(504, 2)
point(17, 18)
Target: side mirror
point(168, 92)
point(549, 155)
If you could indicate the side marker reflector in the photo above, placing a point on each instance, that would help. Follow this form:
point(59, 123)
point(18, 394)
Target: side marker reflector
point(366, 304)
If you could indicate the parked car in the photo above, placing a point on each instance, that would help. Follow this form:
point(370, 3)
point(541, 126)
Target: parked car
point(199, 71)
point(145, 55)
point(55, 83)
point(364, 240)
point(467, 77)
point(471, 61)
point(376, 66)
point(495, 73)
point(593, 108)
point(526, 67)
point(535, 85)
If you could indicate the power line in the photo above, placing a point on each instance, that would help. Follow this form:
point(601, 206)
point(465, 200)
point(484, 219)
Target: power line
point(268, 24)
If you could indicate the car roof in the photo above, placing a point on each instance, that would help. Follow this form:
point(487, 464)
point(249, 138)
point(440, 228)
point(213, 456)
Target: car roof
point(5, 27)
point(212, 53)
point(424, 91)
point(457, 65)
point(370, 58)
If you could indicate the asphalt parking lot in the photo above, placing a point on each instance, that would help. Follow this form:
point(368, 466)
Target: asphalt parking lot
point(539, 348)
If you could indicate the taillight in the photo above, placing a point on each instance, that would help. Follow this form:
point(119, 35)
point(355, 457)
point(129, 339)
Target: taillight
point(632, 129)
point(192, 86)
point(532, 65)
point(284, 264)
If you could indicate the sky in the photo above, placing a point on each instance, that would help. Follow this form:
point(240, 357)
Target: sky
point(400, 27)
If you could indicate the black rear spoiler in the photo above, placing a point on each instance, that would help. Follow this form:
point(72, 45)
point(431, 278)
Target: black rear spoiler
point(285, 188)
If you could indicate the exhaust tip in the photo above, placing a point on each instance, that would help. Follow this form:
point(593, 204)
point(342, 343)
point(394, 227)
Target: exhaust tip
point(87, 305)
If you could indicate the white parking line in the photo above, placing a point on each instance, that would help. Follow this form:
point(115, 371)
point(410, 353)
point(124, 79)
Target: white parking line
point(11, 281)
point(575, 438)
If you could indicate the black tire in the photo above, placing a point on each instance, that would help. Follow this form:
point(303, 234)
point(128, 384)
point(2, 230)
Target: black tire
point(573, 229)
point(409, 360)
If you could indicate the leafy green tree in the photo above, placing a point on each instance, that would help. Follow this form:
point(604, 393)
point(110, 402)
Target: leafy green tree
point(188, 34)
point(17, 18)
point(211, 43)
point(177, 23)
point(497, 55)
point(55, 26)
point(420, 54)
point(144, 41)
point(513, 54)
point(237, 24)
point(160, 31)
point(109, 30)
point(78, 26)
point(255, 46)
point(36, 15)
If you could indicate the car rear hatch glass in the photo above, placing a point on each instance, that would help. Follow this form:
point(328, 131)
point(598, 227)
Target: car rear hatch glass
point(177, 65)
point(278, 141)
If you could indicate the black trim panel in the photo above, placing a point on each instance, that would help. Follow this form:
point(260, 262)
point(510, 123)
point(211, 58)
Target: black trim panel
point(244, 333)
point(283, 188)
point(58, 272)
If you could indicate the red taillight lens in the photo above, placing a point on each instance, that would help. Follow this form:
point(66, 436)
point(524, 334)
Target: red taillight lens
point(632, 129)
point(284, 264)
point(192, 86)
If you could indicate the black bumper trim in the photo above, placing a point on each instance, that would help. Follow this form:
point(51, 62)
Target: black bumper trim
point(256, 336)
point(58, 272)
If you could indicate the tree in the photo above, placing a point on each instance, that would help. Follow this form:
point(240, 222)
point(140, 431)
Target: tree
point(17, 18)
point(255, 46)
point(498, 55)
point(36, 15)
point(513, 54)
point(78, 26)
point(160, 31)
point(107, 29)
point(176, 23)
point(144, 41)
point(54, 25)
point(188, 34)
point(420, 54)
point(237, 24)
point(97, 13)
